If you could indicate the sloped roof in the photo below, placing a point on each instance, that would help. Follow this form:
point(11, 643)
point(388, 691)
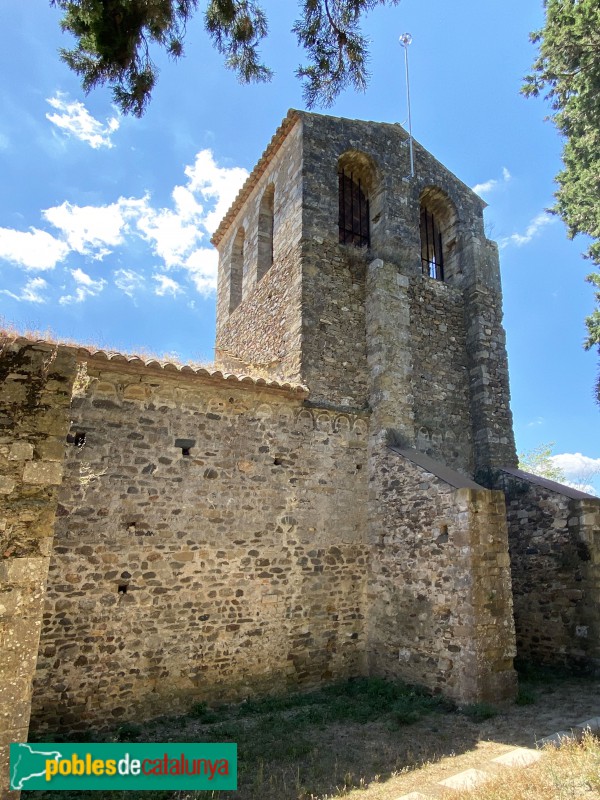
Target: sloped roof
point(117, 359)
point(546, 483)
point(441, 471)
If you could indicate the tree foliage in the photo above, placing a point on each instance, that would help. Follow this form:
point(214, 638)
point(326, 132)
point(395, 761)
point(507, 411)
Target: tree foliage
point(539, 462)
point(114, 39)
point(567, 73)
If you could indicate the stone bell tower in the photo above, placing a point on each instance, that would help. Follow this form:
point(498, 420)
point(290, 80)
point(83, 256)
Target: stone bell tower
point(381, 293)
point(375, 289)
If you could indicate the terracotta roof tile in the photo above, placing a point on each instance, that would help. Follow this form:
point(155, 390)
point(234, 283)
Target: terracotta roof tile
point(119, 359)
point(280, 134)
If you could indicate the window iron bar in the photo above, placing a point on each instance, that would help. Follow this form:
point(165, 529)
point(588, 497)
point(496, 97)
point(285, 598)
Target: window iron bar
point(353, 212)
point(432, 252)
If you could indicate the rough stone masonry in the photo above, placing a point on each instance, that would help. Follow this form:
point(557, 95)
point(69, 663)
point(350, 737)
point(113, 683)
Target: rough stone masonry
point(329, 501)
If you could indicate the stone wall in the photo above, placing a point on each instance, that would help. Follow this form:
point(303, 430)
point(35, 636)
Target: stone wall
point(491, 417)
point(35, 392)
point(440, 385)
point(333, 322)
point(389, 358)
point(439, 602)
point(231, 570)
point(554, 535)
point(262, 334)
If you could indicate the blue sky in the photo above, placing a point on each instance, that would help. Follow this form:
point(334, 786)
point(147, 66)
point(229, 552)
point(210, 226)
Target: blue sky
point(105, 221)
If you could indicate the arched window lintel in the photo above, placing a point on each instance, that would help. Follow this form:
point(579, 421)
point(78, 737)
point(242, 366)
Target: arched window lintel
point(356, 179)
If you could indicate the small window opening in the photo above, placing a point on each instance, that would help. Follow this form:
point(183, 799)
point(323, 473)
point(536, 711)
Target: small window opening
point(78, 439)
point(237, 271)
point(432, 247)
point(266, 216)
point(122, 588)
point(185, 445)
point(277, 462)
point(353, 211)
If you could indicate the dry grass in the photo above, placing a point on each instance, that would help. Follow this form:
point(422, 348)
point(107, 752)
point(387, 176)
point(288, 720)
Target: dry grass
point(10, 332)
point(570, 772)
point(373, 740)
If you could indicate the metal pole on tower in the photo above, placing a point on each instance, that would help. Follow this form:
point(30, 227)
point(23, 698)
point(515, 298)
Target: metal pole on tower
point(405, 40)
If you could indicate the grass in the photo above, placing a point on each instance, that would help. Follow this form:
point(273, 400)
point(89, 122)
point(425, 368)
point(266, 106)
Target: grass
point(11, 332)
point(570, 772)
point(347, 740)
point(479, 712)
point(536, 680)
point(299, 745)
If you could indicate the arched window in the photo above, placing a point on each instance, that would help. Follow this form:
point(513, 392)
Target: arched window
point(356, 173)
point(265, 231)
point(354, 211)
point(439, 238)
point(432, 250)
point(237, 270)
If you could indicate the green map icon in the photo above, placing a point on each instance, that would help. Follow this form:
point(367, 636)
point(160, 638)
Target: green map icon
point(27, 762)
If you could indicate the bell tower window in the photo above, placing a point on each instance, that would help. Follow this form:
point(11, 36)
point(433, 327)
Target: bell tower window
point(354, 211)
point(432, 246)
point(440, 236)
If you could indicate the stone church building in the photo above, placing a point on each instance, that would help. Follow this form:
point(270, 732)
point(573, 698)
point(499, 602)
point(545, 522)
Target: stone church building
point(337, 497)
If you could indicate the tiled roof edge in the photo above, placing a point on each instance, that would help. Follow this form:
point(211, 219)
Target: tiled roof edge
point(122, 359)
point(278, 138)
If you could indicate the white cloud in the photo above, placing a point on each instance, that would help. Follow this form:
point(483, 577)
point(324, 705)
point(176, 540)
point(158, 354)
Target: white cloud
point(582, 487)
point(536, 421)
point(535, 226)
point(75, 120)
point(129, 281)
point(177, 234)
point(86, 286)
point(89, 230)
point(575, 465)
point(487, 186)
point(4, 141)
point(186, 204)
point(581, 472)
point(33, 249)
point(202, 267)
point(166, 285)
point(171, 234)
point(213, 182)
point(492, 183)
point(31, 291)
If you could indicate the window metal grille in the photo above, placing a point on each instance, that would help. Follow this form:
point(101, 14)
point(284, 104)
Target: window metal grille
point(432, 252)
point(354, 212)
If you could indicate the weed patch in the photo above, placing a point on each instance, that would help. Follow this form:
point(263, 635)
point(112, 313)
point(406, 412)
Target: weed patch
point(479, 712)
